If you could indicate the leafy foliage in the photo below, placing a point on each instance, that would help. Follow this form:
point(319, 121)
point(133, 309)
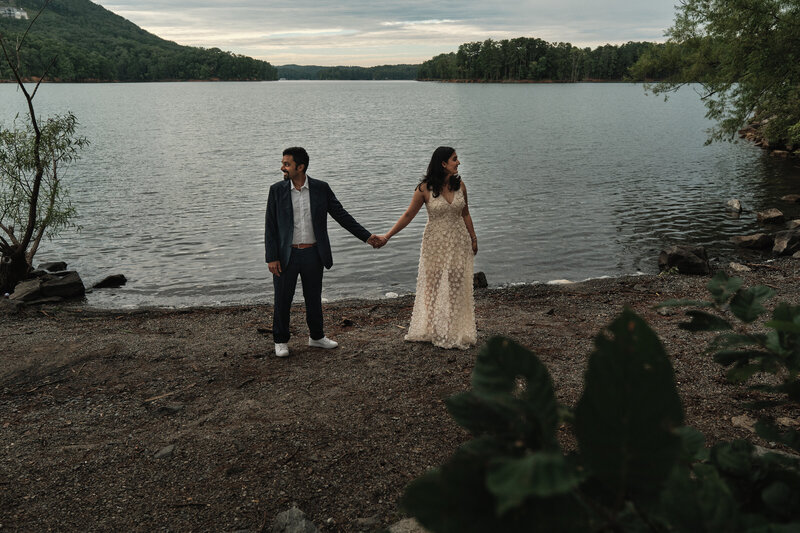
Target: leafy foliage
point(527, 58)
point(637, 467)
point(92, 43)
point(745, 55)
point(59, 147)
point(747, 350)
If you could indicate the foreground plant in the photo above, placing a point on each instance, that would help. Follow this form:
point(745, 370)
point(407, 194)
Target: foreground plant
point(637, 468)
point(748, 348)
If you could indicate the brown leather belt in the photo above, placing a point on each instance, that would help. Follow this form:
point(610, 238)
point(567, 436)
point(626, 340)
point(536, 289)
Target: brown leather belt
point(303, 246)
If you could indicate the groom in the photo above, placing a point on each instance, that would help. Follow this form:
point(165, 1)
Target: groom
point(296, 239)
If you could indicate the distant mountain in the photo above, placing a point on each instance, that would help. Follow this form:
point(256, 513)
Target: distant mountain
point(91, 43)
point(383, 72)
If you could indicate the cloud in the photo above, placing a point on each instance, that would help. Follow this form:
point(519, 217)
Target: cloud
point(364, 32)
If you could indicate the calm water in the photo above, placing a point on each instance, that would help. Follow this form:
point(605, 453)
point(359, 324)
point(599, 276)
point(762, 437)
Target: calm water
point(565, 181)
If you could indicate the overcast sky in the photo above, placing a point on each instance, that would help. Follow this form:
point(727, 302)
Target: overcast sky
point(376, 32)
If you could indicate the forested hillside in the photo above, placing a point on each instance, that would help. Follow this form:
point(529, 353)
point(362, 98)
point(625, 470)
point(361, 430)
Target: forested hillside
point(533, 59)
point(91, 43)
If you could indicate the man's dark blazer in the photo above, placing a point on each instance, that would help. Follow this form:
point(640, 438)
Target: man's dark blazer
point(279, 224)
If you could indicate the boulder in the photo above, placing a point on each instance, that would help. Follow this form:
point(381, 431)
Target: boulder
point(10, 307)
point(738, 267)
point(111, 282)
point(779, 153)
point(27, 291)
point(758, 241)
point(734, 205)
point(64, 284)
point(55, 266)
point(479, 280)
point(770, 216)
point(793, 198)
point(793, 224)
point(292, 521)
point(787, 242)
point(687, 259)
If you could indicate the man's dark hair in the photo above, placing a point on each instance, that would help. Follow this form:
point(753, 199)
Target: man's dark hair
point(299, 155)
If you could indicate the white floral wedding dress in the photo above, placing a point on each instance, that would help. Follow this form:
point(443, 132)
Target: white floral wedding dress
point(444, 308)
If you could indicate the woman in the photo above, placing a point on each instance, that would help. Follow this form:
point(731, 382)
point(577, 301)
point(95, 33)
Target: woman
point(444, 310)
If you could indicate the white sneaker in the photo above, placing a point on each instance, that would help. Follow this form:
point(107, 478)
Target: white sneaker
point(324, 342)
point(282, 349)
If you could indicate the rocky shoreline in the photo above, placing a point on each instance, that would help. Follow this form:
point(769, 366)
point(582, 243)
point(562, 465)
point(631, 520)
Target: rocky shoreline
point(183, 420)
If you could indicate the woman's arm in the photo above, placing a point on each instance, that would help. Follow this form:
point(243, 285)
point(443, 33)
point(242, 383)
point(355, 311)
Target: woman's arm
point(468, 221)
point(416, 204)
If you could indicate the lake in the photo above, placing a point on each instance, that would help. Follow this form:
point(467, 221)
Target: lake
point(566, 181)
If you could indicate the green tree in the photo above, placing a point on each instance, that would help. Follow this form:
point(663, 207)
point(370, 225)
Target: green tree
point(33, 200)
point(746, 56)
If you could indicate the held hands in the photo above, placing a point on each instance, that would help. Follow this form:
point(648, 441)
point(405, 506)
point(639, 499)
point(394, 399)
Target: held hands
point(377, 241)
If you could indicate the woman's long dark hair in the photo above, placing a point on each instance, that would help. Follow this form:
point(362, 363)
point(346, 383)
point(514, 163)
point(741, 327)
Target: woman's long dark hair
point(434, 177)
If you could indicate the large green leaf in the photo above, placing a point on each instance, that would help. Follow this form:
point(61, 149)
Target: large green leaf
point(747, 305)
point(699, 501)
point(497, 405)
point(540, 474)
point(702, 321)
point(733, 457)
point(723, 287)
point(729, 357)
point(453, 498)
point(626, 421)
point(692, 444)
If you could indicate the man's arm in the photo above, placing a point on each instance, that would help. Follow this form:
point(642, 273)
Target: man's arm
point(271, 228)
point(344, 218)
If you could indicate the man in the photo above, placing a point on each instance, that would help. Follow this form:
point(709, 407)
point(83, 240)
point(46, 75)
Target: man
point(296, 240)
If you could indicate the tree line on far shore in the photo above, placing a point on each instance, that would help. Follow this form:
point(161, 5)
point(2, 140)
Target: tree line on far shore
point(532, 59)
point(382, 72)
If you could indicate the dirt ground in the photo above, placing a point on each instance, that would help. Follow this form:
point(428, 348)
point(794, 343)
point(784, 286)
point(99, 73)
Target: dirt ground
point(183, 420)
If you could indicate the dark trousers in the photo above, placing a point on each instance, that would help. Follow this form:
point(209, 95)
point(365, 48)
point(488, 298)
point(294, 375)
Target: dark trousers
point(307, 264)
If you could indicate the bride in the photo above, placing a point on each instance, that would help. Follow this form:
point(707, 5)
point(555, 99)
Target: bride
point(444, 309)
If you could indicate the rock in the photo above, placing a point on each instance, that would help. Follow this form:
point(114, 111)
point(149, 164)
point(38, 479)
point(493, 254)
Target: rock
point(770, 216)
point(758, 241)
point(27, 291)
point(64, 284)
point(111, 282)
point(734, 205)
point(793, 224)
point(292, 521)
point(787, 242)
point(793, 198)
point(779, 153)
point(165, 452)
point(687, 259)
point(408, 525)
point(55, 266)
point(479, 281)
point(9, 307)
point(368, 524)
point(738, 267)
point(744, 422)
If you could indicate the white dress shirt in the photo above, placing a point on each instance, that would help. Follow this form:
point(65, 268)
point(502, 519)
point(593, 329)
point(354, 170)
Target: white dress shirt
point(301, 205)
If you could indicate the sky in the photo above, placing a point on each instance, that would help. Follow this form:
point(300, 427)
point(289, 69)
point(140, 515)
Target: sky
point(375, 32)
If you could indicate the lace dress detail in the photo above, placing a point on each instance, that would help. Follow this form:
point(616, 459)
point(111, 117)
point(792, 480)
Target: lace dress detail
point(444, 308)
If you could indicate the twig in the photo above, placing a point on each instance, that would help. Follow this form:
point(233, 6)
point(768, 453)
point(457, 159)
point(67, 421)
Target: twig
point(46, 384)
point(167, 395)
point(190, 504)
point(245, 382)
point(762, 265)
